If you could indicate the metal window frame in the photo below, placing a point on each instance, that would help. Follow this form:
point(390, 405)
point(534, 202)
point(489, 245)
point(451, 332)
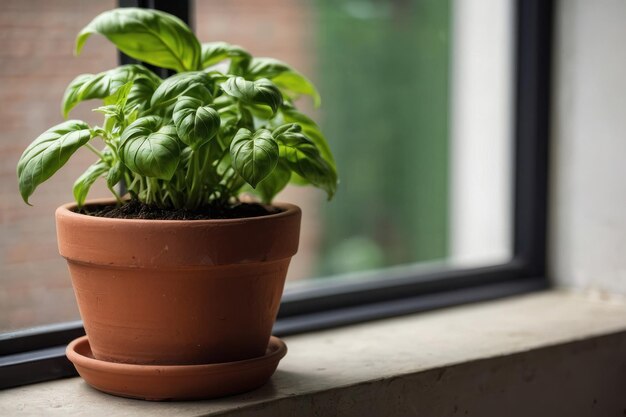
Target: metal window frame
point(38, 354)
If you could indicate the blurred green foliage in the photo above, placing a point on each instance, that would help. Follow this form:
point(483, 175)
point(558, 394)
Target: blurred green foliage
point(384, 76)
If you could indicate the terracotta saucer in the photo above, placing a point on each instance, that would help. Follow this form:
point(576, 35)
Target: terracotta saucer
point(179, 382)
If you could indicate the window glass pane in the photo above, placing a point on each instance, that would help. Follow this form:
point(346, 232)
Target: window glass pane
point(36, 64)
point(416, 105)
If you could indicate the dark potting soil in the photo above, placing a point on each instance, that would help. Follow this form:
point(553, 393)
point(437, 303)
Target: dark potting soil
point(137, 210)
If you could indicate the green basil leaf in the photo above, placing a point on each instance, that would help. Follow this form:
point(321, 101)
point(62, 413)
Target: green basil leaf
point(254, 156)
point(120, 97)
point(215, 52)
point(303, 157)
point(108, 110)
point(105, 84)
point(289, 81)
point(310, 130)
point(116, 114)
point(261, 92)
point(294, 84)
point(291, 127)
point(196, 84)
point(72, 93)
point(266, 68)
point(141, 93)
point(287, 128)
point(195, 124)
point(86, 180)
point(150, 148)
point(147, 35)
point(48, 153)
point(114, 176)
point(229, 110)
point(274, 182)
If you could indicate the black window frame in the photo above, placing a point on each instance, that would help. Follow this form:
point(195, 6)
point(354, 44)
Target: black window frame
point(38, 354)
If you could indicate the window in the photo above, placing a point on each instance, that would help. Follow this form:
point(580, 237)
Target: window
point(461, 89)
point(34, 73)
point(420, 128)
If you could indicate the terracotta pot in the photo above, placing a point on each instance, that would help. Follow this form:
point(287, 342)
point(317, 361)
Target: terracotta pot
point(173, 292)
point(175, 382)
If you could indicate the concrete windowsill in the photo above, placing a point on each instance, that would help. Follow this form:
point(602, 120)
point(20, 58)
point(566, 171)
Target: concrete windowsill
point(479, 359)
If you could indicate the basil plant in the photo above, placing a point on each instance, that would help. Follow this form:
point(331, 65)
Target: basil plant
point(195, 139)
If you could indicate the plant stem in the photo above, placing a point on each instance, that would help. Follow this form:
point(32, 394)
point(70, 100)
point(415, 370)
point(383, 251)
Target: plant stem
point(117, 196)
point(94, 150)
point(148, 191)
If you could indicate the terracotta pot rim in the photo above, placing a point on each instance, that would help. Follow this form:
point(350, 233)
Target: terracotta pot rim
point(139, 243)
point(276, 350)
point(67, 210)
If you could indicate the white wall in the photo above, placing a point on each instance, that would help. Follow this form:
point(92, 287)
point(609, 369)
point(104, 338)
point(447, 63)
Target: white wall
point(588, 204)
point(482, 94)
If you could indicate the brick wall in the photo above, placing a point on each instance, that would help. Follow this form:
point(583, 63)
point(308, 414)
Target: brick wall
point(36, 64)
